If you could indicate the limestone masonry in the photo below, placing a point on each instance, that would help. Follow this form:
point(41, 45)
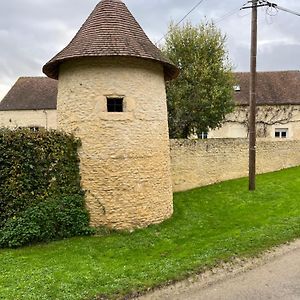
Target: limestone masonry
point(111, 94)
point(201, 162)
point(125, 156)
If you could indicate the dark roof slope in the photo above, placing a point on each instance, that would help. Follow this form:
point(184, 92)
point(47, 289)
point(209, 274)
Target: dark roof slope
point(110, 30)
point(273, 88)
point(31, 93)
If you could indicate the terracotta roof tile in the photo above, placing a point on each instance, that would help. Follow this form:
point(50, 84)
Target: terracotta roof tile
point(110, 30)
point(273, 88)
point(31, 93)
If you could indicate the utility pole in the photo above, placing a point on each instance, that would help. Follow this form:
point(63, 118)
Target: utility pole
point(252, 119)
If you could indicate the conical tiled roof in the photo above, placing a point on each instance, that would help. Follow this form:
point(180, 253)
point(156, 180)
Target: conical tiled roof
point(110, 30)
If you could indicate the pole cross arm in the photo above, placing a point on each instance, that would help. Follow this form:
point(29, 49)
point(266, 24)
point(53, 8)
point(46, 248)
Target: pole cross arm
point(274, 5)
point(259, 5)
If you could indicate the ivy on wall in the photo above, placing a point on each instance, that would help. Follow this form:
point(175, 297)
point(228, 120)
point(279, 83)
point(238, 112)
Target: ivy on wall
point(39, 177)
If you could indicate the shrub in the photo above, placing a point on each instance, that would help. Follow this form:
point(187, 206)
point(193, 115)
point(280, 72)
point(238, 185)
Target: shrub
point(52, 219)
point(34, 166)
point(40, 193)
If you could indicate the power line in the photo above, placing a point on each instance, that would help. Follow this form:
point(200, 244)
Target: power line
point(229, 14)
point(195, 7)
point(285, 9)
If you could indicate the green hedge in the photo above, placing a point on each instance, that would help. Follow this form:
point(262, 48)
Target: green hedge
point(53, 219)
point(39, 172)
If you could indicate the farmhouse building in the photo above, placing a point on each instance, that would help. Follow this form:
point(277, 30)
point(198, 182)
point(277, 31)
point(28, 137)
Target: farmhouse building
point(278, 107)
point(31, 102)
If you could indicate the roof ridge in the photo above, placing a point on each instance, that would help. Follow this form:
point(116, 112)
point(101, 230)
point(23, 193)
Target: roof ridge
point(280, 71)
point(34, 77)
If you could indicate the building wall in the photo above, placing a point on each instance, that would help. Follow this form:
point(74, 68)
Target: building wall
point(28, 118)
point(125, 157)
point(202, 162)
point(268, 119)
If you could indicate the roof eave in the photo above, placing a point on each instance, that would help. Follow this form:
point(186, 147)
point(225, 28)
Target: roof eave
point(51, 69)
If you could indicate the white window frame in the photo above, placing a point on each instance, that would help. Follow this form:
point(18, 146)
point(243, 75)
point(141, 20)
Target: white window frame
point(283, 133)
point(203, 135)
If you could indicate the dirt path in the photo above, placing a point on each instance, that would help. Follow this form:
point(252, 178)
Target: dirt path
point(274, 275)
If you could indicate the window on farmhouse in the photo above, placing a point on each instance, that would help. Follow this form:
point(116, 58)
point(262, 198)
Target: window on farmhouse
point(281, 133)
point(203, 135)
point(34, 128)
point(237, 88)
point(31, 128)
point(115, 104)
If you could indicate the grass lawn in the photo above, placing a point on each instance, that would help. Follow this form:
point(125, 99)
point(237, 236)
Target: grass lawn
point(210, 224)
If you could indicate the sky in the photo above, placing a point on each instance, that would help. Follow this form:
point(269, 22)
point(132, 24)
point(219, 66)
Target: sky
point(33, 31)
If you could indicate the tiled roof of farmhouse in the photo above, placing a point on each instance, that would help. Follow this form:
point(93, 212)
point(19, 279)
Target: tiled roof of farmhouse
point(31, 93)
point(273, 88)
point(110, 30)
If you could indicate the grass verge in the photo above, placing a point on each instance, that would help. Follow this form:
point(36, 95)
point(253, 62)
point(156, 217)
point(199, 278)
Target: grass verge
point(209, 225)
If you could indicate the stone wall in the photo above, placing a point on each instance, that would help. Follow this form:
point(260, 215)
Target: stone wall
point(197, 163)
point(28, 118)
point(125, 156)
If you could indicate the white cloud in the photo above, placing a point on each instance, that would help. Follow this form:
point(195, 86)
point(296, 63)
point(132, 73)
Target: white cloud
point(268, 44)
point(32, 31)
point(4, 88)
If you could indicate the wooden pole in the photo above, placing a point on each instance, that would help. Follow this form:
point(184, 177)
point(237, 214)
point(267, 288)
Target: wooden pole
point(252, 119)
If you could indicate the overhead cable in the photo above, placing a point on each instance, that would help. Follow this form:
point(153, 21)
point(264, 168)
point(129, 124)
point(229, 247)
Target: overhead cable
point(179, 22)
point(286, 10)
point(229, 14)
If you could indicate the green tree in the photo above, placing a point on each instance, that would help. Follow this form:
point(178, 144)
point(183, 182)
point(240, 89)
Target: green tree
point(202, 95)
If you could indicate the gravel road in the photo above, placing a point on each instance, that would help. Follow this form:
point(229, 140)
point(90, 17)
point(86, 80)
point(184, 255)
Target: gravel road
point(274, 275)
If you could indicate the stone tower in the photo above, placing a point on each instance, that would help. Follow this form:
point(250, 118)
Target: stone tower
point(111, 94)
